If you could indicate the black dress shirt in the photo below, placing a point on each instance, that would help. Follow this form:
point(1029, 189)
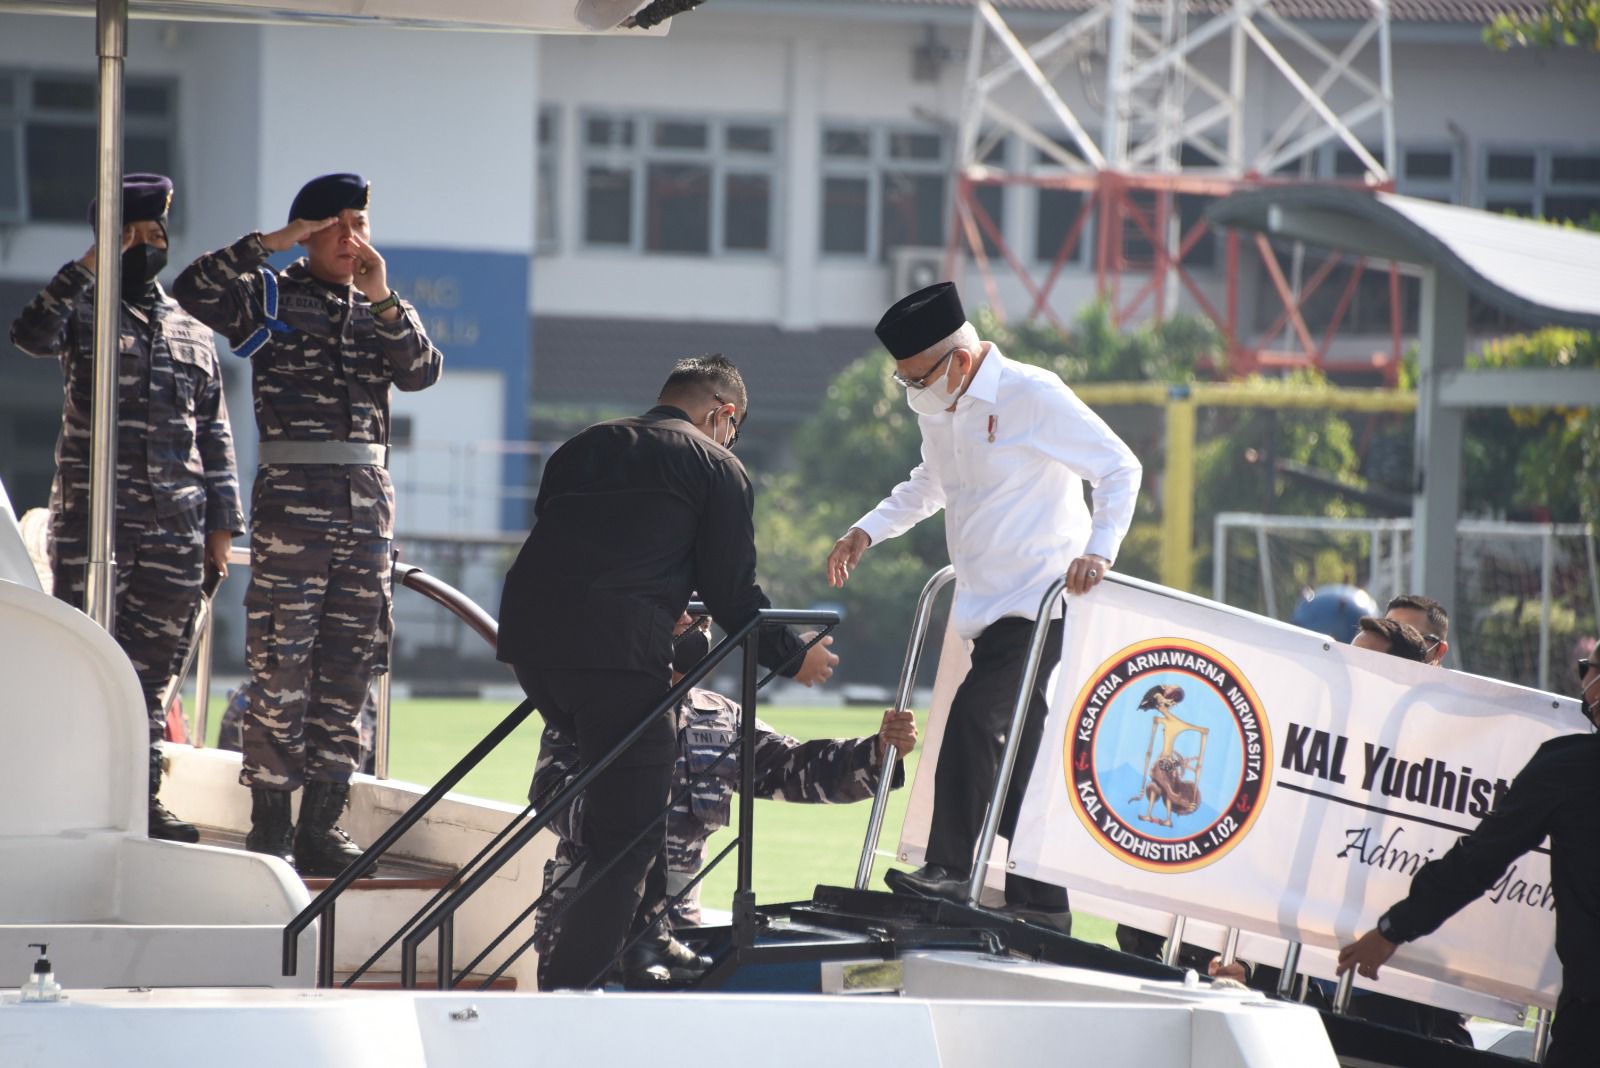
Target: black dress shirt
point(1557, 793)
point(633, 516)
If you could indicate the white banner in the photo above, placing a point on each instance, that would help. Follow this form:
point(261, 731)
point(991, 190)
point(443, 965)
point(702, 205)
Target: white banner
point(1216, 764)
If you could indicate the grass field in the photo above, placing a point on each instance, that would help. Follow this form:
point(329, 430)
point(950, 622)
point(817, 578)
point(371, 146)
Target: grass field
point(796, 846)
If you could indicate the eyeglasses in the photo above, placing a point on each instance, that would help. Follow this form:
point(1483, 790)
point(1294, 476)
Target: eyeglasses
point(1433, 640)
point(923, 381)
point(1584, 664)
point(732, 421)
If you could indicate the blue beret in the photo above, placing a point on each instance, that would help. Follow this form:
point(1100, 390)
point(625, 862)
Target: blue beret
point(926, 317)
point(327, 196)
point(145, 198)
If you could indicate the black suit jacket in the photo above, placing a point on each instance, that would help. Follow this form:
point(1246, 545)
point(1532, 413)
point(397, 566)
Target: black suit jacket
point(633, 516)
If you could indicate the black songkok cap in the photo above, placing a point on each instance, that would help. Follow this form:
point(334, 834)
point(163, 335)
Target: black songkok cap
point(327, 196)
point(145, 198)
point(920, 321)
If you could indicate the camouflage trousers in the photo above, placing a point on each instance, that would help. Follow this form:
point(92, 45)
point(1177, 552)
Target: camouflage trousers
point(317, 629)
point(157, 589)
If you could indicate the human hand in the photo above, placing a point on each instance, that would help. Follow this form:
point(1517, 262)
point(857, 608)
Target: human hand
point(218, 542)
point(287, 238)
point(127, 242)
point(1366, 954)
point(1086, 572)
point(899, 729)
point(1231, 970)
point(372, 275)
point(818, 665)
point(846, 554)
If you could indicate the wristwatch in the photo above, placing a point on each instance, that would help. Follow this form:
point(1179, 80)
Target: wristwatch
point(391, 301)
point(1386, 929)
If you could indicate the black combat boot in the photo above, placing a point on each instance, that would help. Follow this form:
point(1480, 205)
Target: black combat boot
point(320, 846)
point(271, 828)
point(163, 824)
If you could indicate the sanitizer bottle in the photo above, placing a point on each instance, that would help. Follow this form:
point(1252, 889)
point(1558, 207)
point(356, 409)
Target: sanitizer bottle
point(41, 985)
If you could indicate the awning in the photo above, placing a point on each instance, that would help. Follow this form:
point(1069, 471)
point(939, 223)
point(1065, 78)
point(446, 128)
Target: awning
point(1534, 271)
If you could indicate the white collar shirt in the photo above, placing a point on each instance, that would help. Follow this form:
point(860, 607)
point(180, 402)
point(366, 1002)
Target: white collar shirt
point(1008, 467)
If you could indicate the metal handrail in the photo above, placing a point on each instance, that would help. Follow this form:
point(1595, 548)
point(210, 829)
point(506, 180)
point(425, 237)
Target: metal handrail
point(440, 919)
point(1008, 759)
point(902, 700)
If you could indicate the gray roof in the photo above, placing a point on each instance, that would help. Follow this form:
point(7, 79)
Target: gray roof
point(619, 364)
point(1535, 271)
point(1471, 12)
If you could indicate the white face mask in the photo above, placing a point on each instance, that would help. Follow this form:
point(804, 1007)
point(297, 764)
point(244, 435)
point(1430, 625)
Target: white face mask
point(933, 398)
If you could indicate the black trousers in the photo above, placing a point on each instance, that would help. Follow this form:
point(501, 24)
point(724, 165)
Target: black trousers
point(974, 739)
point(1574, 1033)
point(621, 808)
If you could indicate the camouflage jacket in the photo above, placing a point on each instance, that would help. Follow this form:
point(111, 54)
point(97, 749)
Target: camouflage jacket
point(826, 770)
point(321, 368)
point(175, 466)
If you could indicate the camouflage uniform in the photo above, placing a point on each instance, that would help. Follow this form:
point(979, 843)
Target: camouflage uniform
point(318, 606)
point(176, 479)
point(823, 771)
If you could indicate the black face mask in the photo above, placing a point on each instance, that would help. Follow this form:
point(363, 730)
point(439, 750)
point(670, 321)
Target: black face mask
point(140, 265)
point(689, 648)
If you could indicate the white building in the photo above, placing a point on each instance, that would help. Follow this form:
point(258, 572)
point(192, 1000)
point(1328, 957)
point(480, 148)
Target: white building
point(573, 213)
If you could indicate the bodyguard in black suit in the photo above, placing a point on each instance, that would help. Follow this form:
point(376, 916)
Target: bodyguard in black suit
point(633, 516)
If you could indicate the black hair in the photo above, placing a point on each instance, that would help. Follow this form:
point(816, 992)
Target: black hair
point(1405, 641)
point(1438, 618)
point(710, 373)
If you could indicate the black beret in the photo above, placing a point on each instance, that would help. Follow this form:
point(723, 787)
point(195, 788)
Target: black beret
point(145, 198)
point(920, 321)
point(327, 196)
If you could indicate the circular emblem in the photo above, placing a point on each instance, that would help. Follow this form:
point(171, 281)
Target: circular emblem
point(1166, 755)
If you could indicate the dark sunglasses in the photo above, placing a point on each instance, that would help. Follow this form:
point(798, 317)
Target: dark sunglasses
point(733, 421)
point(1584, 664)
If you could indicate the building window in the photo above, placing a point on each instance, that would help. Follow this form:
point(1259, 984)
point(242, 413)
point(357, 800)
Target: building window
point(679, 185)
point(1429, 172)
point(546, 211)
point(883, 189)
point(1557, 184)
point(1055, 210)
point(48, 133)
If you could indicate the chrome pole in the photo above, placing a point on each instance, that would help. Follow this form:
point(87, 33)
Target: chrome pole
point(202, 679)
point(1341, 995)
point(111, 44)
point(1008, 759)
point(1291, 964)
point(1174, 951)
point(380, 720)
point(1230, 947)
point(902, 701)
point(1541, 1034)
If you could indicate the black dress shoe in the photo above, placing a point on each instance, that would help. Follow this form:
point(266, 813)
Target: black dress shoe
point(930, 881)
point(1051, 919)
point(657, 964)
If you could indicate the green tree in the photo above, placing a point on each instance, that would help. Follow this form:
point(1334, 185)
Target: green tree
point(1562, 23)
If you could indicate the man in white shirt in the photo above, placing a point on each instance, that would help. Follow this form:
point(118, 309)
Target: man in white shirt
point(1006, 448)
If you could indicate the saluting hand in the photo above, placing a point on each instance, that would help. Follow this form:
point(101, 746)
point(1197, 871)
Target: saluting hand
point(899, 729)
point(846, 554)
point(1366, 954)
point(88, 257)
point(819, 662)
point(372, 274)
point(287, 238)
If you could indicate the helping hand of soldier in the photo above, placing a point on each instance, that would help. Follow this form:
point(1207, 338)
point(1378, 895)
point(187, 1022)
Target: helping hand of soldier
point(1231, 970)
point(1366, 954)
point(1086, 572)
point(818, 665)
point(218, 542)
point(287, 238)
point(899, 729)
point(846, 554)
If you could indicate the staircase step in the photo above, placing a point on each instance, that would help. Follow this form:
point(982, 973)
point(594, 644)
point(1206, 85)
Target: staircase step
point(425, 981)
point(393, 873)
